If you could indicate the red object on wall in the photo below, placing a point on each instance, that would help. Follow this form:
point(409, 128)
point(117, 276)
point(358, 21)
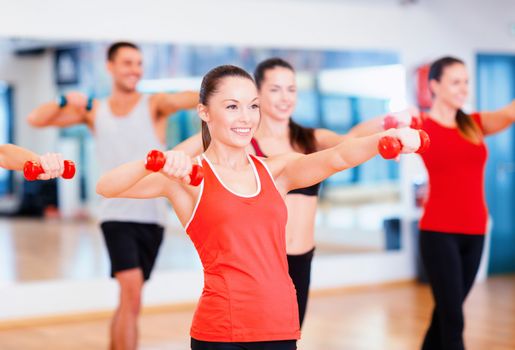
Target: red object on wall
point(424, 100)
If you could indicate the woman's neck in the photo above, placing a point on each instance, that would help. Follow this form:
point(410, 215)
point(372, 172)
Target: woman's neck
point(231, 157)
point(443, 113)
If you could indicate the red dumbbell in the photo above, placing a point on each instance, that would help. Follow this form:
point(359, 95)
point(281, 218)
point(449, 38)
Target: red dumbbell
point(390, 147)
point(156, 160)
point(32, 169)
point(391, 122)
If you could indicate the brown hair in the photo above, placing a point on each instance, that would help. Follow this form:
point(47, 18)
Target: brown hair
point(301, 138)
point(209, 86)
point(113, 49)
point(466, 124)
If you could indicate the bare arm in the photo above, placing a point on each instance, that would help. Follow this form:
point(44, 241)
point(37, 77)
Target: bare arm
point(494, 122)
point(14, 157)
point(368, 127)
point(326, 138)
point(121, 182)
point(297, 170)
point(50, 114)
point(169, 103)
point(132, 180)
point(191, 146)
point(376, 124)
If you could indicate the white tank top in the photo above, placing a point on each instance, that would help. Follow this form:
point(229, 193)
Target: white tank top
point(122, 139)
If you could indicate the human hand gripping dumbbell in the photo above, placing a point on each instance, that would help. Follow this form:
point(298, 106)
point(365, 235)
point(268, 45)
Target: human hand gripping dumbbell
point(77, 100)
point(406, 118)
point(404, 140)
point(157, 161)
point(49, 166)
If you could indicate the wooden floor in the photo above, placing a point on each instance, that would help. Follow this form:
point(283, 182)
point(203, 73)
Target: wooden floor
point(369, 318)
point(36, 250)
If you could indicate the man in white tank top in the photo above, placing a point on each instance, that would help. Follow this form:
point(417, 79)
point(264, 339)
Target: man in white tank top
point(126, 126)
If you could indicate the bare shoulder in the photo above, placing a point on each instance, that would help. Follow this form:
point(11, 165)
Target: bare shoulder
point(276, 164)
point(155, 99)
point(164, 105)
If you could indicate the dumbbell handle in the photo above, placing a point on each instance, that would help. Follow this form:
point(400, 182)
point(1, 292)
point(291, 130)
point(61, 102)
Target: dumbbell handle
point(156, 160)
point(390, 147)
point(32, 169)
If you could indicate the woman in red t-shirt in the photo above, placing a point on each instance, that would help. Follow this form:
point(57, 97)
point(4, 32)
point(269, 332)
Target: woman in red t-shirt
point(454, 222)
point(236, 218)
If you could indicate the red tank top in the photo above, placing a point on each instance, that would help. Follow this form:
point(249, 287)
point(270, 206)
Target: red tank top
point(456, 201)
point(248, 294)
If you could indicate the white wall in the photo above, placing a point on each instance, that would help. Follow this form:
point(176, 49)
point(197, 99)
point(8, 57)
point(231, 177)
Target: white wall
point(322, 24)
point(32, 79)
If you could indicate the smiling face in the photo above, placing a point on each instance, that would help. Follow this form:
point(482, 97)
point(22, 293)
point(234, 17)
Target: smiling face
point(278, 93)
point(232, 111)
point(126, 68)
point(452, 87)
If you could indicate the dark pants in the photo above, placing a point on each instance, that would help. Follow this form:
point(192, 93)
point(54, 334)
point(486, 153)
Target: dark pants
point(261, 345)
point(299, 267)
point(451, 262)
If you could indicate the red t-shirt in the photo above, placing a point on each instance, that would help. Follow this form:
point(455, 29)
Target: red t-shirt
point(456, 167)
point(248, 294)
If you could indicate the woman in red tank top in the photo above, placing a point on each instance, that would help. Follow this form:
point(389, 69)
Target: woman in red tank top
point(236, 218)
point(454, 222)
point(278, 133)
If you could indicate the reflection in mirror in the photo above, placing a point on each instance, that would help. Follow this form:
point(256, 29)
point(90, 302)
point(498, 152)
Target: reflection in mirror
point(358, 210)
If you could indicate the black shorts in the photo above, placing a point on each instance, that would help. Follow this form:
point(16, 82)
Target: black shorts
point(260, 345)
point(132, 245)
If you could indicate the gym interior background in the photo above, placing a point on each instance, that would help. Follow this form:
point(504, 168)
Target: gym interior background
point(354, 59)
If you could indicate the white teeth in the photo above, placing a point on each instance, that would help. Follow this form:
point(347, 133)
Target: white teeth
point(242, 130)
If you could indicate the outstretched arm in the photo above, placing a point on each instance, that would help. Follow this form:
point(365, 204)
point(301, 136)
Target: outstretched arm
point(169, 103)
point(133, 180)
point(327, 138)
point(494, 122)
point(297, 170)
point(191, 146)
point(51, 114)
point(14, 157)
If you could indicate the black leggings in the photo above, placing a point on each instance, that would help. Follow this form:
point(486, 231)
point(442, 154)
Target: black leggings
point(300, 272)
point(261, 345)
point(451, 262)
